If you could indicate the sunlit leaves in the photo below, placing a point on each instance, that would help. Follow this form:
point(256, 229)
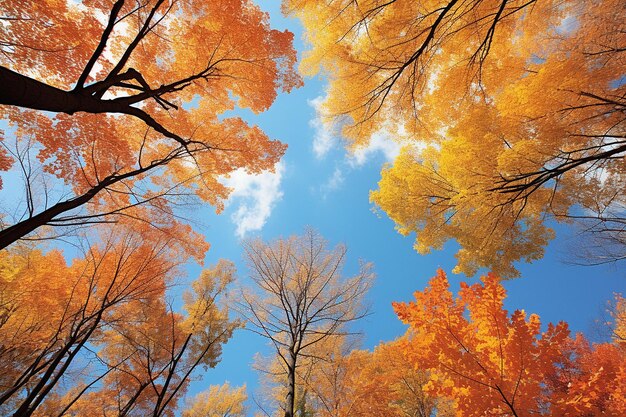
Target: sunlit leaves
point(157, 77)
point(98, 335)
point(521, 104)
point(218, 401)
point(486, 360)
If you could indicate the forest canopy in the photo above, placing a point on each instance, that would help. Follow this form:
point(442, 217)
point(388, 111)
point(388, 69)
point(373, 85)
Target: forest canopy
point(511, 113)
point(134, 93)
point(133, 132)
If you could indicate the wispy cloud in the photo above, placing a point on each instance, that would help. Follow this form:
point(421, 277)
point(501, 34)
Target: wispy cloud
point(326, 137)
point(254, 197)
point(380, 142)
point(325, 132)
point(333, 183)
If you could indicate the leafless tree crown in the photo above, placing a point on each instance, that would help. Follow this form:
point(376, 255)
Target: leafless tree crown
point(301, 297)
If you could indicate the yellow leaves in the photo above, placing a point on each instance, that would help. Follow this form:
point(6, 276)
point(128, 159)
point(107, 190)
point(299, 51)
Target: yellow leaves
point(449, 192)
point(202, 304)
point(425, 199)
point(218, 401)
point(618, 313)
point(510, 94)
point(387, 51)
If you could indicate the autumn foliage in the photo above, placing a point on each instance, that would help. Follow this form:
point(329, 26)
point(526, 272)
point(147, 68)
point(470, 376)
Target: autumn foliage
point(464, 355)
point(119, 114)
point(114, 116)
point(364, 383)
point(511, 113)
point(222, 401)
point(487, 361)
point(136, 94)
point(97, 336)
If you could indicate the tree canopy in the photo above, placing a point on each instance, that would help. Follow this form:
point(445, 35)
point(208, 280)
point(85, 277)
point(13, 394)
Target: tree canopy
point(511, 113)
point(129, 91)
point(118, 116)
point(487, 361)
point(464, 354)
point(98, 336)
point(300, 299)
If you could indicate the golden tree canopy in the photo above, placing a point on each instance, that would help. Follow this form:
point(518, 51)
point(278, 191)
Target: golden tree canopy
point(512, 113)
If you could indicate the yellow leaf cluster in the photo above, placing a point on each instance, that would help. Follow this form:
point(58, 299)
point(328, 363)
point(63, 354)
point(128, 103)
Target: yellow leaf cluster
point(520, 104)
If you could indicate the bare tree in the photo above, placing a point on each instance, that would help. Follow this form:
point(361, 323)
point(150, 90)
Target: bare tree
point(302, 298)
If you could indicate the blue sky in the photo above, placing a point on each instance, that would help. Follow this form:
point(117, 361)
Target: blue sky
point(318, 184)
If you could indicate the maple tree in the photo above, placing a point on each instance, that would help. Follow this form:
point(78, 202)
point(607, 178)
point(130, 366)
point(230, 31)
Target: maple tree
point(300, 299)
point(511, 113)
point(487, 361)
point(97, 336)
point(132, 91)
point(592, 383)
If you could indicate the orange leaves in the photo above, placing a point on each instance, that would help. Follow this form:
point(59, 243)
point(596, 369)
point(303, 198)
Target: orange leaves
point(465, 355)
point(155, 83)
point(53, 309)
point(360, 383)
point(488, 361)
point(103, 327)
point(591, 383)
point(135, 95)
point(33, 38)
point(234, 37)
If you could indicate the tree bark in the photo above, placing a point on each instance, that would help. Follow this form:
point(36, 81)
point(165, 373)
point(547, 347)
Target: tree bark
point(19, 230)
point(22, 91)
point(291, 387)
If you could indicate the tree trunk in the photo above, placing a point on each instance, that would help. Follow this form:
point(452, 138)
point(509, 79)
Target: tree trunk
point(22, 91)
point(24, 227)
point(291, 387)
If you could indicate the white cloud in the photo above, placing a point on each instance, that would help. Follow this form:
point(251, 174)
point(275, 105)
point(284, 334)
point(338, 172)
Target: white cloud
point(324, 138)
point(327, 132)
point(380, 142)
point(334, 183)
point(254, 197)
